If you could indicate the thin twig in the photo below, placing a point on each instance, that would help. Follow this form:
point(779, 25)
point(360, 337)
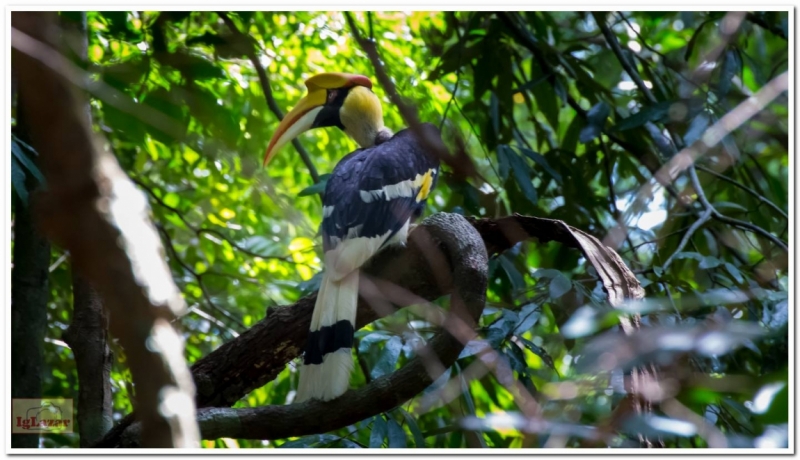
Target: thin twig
point(705, 217)
point(729, 220)
point(460, 163)
point(747, 189)
point(199, 230)
point(248, 48)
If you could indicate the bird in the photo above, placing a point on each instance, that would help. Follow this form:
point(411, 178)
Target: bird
point(370, 200)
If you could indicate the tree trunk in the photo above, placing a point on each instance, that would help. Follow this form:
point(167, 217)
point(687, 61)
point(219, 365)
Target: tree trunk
point(88, 339)
point(88, 333)
point(29, 295)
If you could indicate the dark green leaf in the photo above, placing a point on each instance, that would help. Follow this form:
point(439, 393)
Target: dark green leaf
point(22, 157)
point(696, 128)
point(655, 113)
point(731, 67)
point(528, 316)
point(522, 175)
point(559, 286)
point(737, 275)
point(378, 433)
point(542, 161)
point(539, 351)
point(595, 119)
point(388, 359)
point(516, 358)
point(397, 436)
point(419, 441)
point(309, 441)
point(317, 188)
point(503, 161)
point(371, 339)
point(18, 180)
point(571, 136)
point(693, 40)
point(709, 262)
point(545, 96)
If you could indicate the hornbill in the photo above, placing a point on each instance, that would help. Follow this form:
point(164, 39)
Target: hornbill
point(370, 199)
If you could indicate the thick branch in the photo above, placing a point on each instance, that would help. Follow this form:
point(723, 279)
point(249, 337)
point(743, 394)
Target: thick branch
point(260, 353)
point(87, 334)
point(94, 211)
point(458, 261)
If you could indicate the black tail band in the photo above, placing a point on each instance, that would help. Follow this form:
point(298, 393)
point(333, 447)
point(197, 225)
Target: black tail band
point(327, 340)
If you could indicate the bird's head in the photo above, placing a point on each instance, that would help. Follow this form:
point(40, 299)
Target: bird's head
point(333, 99)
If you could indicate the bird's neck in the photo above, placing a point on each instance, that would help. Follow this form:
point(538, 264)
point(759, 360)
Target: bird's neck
point(368, 135)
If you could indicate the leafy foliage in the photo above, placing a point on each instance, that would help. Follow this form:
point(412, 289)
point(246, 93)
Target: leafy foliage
point(556, 127)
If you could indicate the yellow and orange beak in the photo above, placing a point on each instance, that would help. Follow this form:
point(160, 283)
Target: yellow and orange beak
point(301, 117)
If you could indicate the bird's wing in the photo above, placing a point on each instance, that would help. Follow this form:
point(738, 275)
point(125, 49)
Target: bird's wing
point(372, 194)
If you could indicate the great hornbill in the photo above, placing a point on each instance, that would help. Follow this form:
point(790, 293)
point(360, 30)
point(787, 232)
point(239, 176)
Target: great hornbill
point(370, 199)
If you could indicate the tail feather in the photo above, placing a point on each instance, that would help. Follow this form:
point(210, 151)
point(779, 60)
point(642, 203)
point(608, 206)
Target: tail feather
point(325, 373)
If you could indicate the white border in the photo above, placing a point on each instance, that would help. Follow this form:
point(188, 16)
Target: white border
point(378, 5)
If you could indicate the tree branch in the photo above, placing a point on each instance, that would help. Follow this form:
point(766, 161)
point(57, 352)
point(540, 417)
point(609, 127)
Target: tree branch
point(249, 49)
point(460, 162)
point(93, 210)
point(261, 352)
point(747, 189)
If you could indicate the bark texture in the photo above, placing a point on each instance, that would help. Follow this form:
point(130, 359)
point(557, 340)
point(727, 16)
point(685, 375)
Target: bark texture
point(92, 209)
point(402, 276)
point(29, 295)
point(88, 339)
point(87, 335)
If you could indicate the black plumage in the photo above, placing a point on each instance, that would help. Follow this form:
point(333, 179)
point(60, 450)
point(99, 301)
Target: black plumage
point(403, 157)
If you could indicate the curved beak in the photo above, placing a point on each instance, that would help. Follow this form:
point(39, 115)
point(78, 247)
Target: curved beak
point(299, 119)
point(302, 116)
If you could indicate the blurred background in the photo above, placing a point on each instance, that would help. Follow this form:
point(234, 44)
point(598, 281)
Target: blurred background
point(556, 125)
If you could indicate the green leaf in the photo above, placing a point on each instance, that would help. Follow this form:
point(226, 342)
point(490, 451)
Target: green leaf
point(731, 67)
point(130, 126)
point(348, 444)
point(735, 273)
point(559, 286)
point(371, 339)
point(709, 262)
point(522, 175)
point(309, 441)
point(397, 436)
point(517, 281)
point(388, 359)
point(318, 188)
point(542, 161)
point(18, 180)
point(546, 99)
point(696, 128)
point(419, 440)
point(693, 41)
point(595, 119)
point(378, 433)
point(503, 161)
point(655, 113)
point(539, 351)
point(571, 136)
point(207, 38)
point(528, 316)
point(25, 160)
point(515, 358)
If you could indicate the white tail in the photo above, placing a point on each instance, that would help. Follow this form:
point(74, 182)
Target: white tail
point(336, 302)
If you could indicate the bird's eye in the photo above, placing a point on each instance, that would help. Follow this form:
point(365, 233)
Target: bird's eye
point(332, 95)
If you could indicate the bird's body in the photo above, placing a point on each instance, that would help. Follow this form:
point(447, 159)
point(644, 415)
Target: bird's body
point(371, 197)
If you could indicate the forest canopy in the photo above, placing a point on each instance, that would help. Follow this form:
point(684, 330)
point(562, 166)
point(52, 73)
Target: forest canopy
point(660, 137)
